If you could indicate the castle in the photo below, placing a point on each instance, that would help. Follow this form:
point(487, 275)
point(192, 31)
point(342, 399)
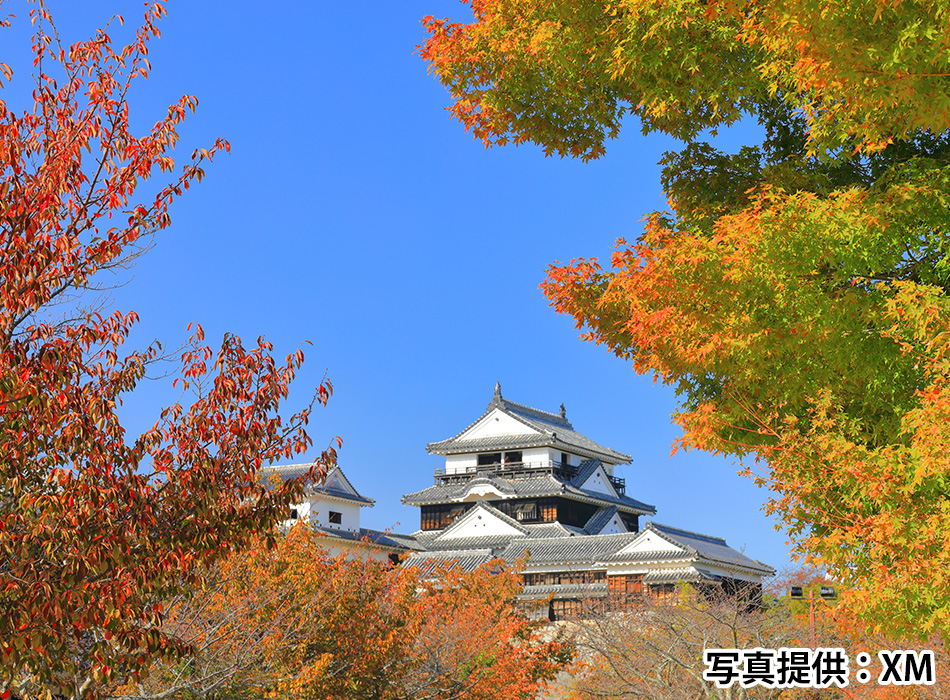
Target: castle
point(522, 484)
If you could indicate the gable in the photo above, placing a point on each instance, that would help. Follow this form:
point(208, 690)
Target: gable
point(335, 481)
point(649, 541)
point(497, 423)
point(482, 491)
point(598, 483)
point(614, 526)
point(480, 522)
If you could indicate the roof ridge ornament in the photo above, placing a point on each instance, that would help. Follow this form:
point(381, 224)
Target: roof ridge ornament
point(496, 400)
point(563, 412)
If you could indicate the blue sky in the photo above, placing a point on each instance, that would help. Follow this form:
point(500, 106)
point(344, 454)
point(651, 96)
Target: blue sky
point(353, 213)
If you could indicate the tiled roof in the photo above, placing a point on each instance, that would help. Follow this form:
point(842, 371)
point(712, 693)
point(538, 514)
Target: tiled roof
point(296, 471)
point(467, 559)
point(286, 472)
point(496, 543)
point(581, 549)
point(351, 495)
point(674, 575)
point(587, 468)
point(585, 549)
point(660, 555)
point(289, 471)
point(481, 506)
point(585, 590)
point(553, 530)
point(552, 429)
point(424, 536)
point(543, 485)
point(711, 548)
point(382, 539)
point(407, 541)
point(599, 520)
point(499, 484)
point(431, 541)
point(694, 546)
point(489, 443)
point(555, 545)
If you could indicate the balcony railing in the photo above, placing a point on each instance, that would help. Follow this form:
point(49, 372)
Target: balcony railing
point(518, 470)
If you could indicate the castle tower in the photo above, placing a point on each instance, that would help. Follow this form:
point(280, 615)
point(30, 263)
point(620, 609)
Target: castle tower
point(532, 466)
point(521, 484)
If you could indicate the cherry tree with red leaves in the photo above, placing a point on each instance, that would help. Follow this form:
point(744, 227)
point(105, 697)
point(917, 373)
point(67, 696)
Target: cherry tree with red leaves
point(97, 526)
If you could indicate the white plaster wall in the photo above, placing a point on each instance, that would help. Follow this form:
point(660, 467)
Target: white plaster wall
point(614, 526)
point(537, 456)
point(679, 566)
point(350, 515)
point(460, 463)
point(303, 511)
point(494, 424)
point(304, 508)
point(478, 522)
point(649, 542)
point(555, 568)
point(553, 454)
point(729, 573)
point(360, 550)
point(626, 569)
point(596, 482)
point(482, 492)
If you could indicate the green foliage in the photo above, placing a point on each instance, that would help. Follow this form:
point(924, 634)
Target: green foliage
point(563, 73)
point(785, 294)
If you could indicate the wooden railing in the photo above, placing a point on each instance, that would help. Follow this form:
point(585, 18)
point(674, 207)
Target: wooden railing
point(518, 470)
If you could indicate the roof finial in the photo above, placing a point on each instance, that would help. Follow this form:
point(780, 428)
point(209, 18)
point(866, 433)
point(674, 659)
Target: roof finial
point(498, 390)
point(563, 413)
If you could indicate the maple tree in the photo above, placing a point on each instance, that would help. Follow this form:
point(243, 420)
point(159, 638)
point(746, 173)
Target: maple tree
point(473, 640)
point(283, 621)
point(795, 293)
point(296, 622)
point(806, 332)
point(97, 527)
point(832, 623)
point(563, 73)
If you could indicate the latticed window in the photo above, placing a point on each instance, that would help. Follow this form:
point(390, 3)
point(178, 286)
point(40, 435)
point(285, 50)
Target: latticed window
point(562, 609)
point(441, 516)
point(555, 578)
point(526, 511)
point(625, 584)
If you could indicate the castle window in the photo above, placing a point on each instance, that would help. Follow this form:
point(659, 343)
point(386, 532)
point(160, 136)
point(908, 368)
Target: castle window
point(512, 458)
point(527, 511)
point(561, 609)
point(565, 459)
point(663, 592)
point(293, 514)
point(489, 459)
point(335, 518)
